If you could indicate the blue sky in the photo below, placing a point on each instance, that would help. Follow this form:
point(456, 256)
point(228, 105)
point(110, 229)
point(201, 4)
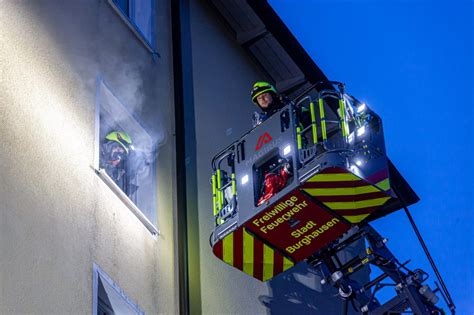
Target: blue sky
point(411, 62)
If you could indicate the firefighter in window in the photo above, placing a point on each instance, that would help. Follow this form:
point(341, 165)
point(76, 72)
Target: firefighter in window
point(115, 153)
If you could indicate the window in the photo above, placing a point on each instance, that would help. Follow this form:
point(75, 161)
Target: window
point(271, 174)
point(109, 298)
point(126, 156)
point(138, 15)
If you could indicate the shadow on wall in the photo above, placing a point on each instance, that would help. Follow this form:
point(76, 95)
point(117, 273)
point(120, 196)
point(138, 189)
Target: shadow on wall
point(299, 290)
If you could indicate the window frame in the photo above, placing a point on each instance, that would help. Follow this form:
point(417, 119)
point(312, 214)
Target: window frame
point(152, 228)
point(150, 45)
point(97, 273)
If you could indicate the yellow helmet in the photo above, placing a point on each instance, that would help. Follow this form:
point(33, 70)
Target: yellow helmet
point(260, 88)
point(121, 138)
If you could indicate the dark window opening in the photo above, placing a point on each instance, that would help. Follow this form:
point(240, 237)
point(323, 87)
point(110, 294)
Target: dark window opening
point(271, 175)
point(139, 14)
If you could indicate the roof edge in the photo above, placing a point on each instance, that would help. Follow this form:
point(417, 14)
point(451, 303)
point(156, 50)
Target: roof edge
point(287, 40)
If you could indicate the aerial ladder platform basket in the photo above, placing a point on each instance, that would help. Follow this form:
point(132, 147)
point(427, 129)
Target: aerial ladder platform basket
point(338, 179)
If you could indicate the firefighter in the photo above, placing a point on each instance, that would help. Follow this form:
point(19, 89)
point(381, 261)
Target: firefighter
point(266, 97)
point(269, 101)
point(276, 178)
point(114, 153)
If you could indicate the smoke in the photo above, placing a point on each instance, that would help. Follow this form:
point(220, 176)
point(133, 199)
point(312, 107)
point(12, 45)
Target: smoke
point(116, 116)
point(145, 153)
point(128, 86)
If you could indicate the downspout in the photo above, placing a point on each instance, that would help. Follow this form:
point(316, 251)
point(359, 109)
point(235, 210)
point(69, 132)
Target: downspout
point(186, 178)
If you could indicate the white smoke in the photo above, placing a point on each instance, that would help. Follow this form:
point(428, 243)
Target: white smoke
point(115, 116)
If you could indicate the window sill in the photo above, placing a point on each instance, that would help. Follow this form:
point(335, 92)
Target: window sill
point(124, 198)
point(134, 29)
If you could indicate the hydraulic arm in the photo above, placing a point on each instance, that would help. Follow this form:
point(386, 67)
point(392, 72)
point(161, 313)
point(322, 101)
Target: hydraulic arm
point(411, 292)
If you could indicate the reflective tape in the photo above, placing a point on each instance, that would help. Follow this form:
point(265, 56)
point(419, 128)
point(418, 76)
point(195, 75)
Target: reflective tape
point(243, 251)
point(384, 184)
point(220, 197)
point(248, 253)
point(323, 119)
point(351, 191)
point(298, 137)
point(356, 218)
point(234, 186)
point(287, 264)
point(334, 177)
point(228, 249)
point(214, 196)
point(313, 123)
point(346, 194)
point(267, 262)
point(342, 110)
point(350, 205)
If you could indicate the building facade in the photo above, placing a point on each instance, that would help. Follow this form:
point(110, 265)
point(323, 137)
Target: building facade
point(77, 239)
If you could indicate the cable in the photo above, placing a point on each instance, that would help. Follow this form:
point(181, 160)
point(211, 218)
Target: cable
point(450, 302)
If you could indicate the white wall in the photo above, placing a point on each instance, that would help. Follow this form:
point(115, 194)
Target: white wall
point(223, 76)
point(57, 217)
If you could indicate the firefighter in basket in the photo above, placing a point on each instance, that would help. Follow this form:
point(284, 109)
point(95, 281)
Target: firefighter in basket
point(268, 100)
point(275, 179)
